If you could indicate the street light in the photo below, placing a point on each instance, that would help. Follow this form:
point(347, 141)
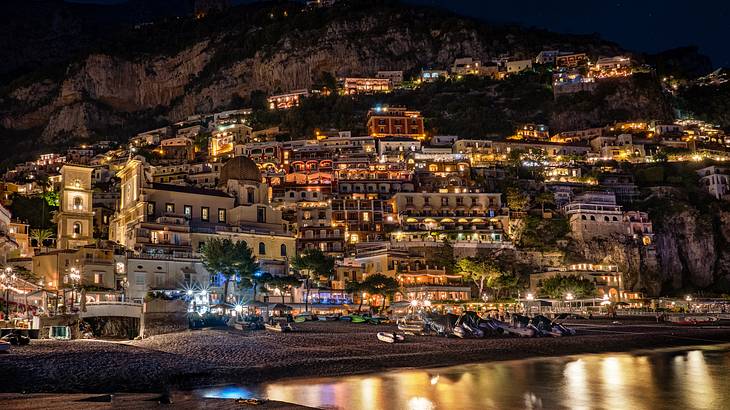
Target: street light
point(6, 278)
point(569, 297)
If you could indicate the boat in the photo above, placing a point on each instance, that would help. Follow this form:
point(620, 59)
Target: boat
point(519, 331)
point(346, 318)
point(390, 337)
point(692, 320)
point(4, 346)
point(305, 317)
point(358, 319)
point(278, 326)
point(468, 326)
point(411, 324)
point(328, 318)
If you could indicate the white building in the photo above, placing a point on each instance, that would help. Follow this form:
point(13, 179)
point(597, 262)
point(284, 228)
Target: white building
point(715, 180)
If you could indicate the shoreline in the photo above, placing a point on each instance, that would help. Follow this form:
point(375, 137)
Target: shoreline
point(193, 360)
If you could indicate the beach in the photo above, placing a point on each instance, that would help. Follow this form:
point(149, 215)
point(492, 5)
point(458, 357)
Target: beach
point(194, 359)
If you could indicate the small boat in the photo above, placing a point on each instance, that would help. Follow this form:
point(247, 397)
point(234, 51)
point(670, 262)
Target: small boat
point(346, 318)
point(4, 346)
point(692, 320)
point(279, 327)
point(328, 318)
point(305, 317)
point(358, 319)
point(390, 337)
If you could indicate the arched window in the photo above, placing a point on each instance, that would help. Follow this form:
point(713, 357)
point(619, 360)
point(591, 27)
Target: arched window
point(77, 228)
point(78, 202)
point(583, 217)
point(593, 218)
point(605, 218)
point(283, 250)
point(262, 248)
point(250, 195)
point(615, 219)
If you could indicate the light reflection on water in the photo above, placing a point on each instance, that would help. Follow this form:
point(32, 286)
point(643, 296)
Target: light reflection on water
point(676, 379)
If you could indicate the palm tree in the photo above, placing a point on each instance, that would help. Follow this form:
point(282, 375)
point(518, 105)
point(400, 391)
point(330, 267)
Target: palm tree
point(41, 235)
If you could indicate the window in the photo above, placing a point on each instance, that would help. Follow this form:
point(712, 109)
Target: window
point(139, 279)
point(261, 214)
point(444, 201)
point(250, 195)
point(188, 211)
point(221, 215)
point(283, 250)
point(366, 217)
point(77, 228)
point(205, 213)
point(78, 203)
point(150, 208)
point(262, 248)
point(409, 200)
point(99, 277)
point(170, 208)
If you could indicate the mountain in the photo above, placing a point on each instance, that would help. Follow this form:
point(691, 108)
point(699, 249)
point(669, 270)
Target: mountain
point(176, 67)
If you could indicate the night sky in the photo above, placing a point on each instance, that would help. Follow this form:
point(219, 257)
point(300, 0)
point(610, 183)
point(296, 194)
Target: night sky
point(639, 25)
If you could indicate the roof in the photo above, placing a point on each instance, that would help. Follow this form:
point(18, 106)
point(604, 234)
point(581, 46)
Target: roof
point(189, 190)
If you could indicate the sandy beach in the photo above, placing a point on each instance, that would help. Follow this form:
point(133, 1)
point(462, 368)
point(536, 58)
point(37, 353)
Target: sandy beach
point(194, 359)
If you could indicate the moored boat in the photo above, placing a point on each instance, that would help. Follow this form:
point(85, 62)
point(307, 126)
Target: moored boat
point(4, 346)
point(691, 320)
point(279, 326)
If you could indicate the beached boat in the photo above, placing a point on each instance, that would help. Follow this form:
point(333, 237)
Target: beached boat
point(412, 324)
point(692, 320)
point(358, 319)
point(328, 318)
point(4, 346)
point(519, 331)
point(279, 326)
point(390, 337)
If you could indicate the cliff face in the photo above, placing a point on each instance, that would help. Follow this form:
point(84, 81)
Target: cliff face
point(691, 250)
point(104, 91)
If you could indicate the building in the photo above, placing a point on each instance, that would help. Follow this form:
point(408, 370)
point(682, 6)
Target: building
point(466, 66)
point(366, 85)
point(715, 180)
point(537, 132)
point(432, 284)
point(287, 100)
point(516, 66)
point(395, 76)
point(619, 148)
point(595, 214)
point(395, 122)
point(75, 217)
point(178, 148)
point(607, 279)
point(640, 226)
point(430, 76)
point(571, 60)
point(546, 57)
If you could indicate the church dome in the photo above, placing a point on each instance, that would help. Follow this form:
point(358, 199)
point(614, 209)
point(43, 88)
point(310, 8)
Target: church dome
point(240, 168)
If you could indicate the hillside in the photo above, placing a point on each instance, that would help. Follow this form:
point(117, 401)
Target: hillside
point(171, 69)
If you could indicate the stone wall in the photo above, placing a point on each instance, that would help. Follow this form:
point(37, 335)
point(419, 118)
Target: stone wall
point(163, 316)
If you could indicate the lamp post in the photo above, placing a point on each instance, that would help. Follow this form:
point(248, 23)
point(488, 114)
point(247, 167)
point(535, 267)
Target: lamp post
point(530, 297)
point(569, 297)
point(75, 277)
point(688, 298)
point(6, 278)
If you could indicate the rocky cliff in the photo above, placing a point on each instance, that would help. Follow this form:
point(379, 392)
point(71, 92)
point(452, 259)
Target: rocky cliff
point(222, 59)
point(691, 248)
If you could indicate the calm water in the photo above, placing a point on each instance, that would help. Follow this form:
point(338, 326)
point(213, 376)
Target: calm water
point(666, 379)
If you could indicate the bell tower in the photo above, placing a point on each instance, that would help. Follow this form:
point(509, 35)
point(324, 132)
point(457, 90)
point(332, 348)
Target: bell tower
point(75, 214)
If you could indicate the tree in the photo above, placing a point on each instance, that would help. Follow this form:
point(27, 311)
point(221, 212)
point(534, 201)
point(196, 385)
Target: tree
point(379, 284)
point(503, 282)
point(354, 287)
point(480, 271)
point(558, 286)
point(545, 198)
point(230, 259)
point(443, 256)
point(40, 236)
point(517, 200)
point(284, 284)
point(312, 264)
